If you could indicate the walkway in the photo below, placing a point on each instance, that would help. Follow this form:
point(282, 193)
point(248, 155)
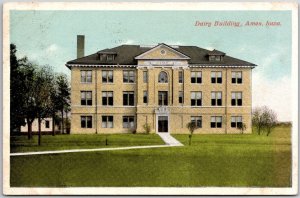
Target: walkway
point(166, 137)
point(169, 140)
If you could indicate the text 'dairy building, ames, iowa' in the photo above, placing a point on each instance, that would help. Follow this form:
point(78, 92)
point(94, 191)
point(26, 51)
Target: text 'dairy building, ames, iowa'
point(119, 90)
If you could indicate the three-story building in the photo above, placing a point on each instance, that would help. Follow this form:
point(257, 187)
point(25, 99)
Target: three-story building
point(119, 90)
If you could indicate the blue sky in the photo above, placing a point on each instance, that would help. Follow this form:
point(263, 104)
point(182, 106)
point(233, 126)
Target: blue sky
point(49, 37)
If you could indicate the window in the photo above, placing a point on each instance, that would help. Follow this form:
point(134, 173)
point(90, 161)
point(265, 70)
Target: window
point(107, 121)
point(212, 58)
point(107, 76)
point(128, 121)
point(236, 99)
point(216, 122)
point(236, 121)
point(236, 77)
point(128, 76)
point(47, 124)
point(197, 120)
point(86, 98)
point(110, 57)
point(180, 97)
point(145, 76)
point(216, 98)
point(216, 77)
point(196, 98)
point(86, 122)
point(218, 58)
point(162, 98)
point(107, 98)
point(145, 97)
point(163, 77)
point(180, 77)
point(128, 98)
point(86, 76)
point(196, 77)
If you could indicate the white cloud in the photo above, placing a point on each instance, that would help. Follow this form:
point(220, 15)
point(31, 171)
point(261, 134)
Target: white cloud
point(209, 48)
point(52, 48)
point(127, 42)
point(275, 94)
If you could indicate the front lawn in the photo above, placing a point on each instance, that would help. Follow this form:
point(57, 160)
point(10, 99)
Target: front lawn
point(62, 142)
point(212, 160)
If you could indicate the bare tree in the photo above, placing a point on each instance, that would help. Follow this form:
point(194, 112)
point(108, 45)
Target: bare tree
point(264, 119)
point(270, 119)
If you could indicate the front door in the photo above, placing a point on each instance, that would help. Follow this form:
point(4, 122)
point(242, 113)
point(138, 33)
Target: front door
point(163, 124)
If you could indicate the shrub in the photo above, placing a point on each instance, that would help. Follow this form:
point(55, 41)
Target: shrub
point(147, 128)
point(242, 127)
point(192, 127)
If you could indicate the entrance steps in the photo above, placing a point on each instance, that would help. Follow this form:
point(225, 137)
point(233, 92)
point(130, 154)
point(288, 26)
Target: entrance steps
point(168, 139)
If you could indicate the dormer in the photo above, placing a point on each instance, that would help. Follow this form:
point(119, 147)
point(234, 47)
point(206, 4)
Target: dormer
point(107, 56)
point(215, 55)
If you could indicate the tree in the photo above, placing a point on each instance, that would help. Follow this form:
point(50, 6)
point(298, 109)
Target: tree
point(257, 120)
point(16, 91)
point(264, 119)
point(28, 106)
point(191, 127)
point(270, 120)
point(43, 89)
point(63, 93)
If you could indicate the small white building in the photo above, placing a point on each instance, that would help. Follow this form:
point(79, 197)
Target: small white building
point(46, 126)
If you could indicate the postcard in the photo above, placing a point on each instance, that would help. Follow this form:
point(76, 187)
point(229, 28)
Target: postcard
point(150, 98)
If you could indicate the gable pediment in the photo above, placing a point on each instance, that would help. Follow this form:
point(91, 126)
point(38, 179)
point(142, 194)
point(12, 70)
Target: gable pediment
point(162, 52)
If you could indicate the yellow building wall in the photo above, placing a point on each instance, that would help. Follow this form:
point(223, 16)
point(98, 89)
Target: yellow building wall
point(180, 114)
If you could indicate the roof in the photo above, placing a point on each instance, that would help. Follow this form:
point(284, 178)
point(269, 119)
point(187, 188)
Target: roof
point(126, 56)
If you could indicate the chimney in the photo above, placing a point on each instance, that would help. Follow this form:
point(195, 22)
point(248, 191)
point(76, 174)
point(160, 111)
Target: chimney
point(80, 46)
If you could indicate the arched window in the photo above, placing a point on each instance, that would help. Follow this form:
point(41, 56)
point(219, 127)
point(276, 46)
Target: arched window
point(163, 77)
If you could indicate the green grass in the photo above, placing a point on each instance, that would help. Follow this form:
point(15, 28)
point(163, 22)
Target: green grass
point(211, 160)
point(62, 142)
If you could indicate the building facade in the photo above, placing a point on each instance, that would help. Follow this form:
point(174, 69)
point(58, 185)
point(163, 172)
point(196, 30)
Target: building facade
point(46, 126)
point(119, 90)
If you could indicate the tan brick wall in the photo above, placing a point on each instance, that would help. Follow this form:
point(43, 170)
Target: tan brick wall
point(180, 114)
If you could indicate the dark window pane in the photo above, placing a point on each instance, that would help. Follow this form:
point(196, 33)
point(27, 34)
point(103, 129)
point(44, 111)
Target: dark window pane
point(239, 102)
point(213, 125)
point(89, 122)
point(213, 102)
point(193, 80)
point(89, 102)
point(213, 80)
point(193, 102)
point(239, 81)
point(82, 122)
point(145, 99)
point(219, 80)
point(125, 99)
point(219, 102)
point(111, 101)
point(233, 124)
point(131, 99)
point(219, 124)
point(233, 102)
point(104, 101)
point(110, 118)
point(199, 80)
point(198, 102)
point(233, 80)
point(180, 99)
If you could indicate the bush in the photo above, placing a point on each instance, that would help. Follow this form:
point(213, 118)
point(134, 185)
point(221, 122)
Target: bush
point(147, 128)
